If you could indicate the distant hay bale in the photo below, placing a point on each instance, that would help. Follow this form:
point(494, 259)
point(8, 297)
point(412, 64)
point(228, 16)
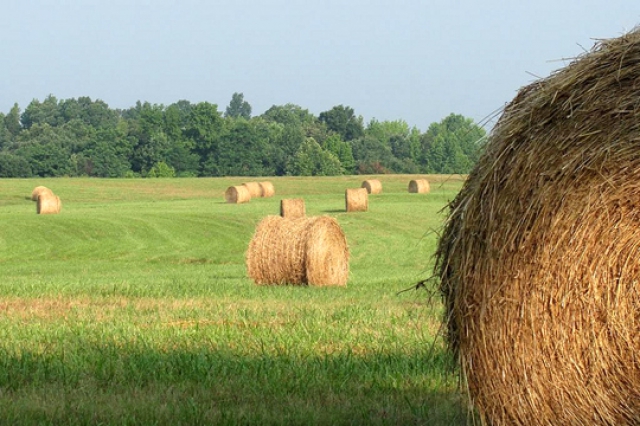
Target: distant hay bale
point(254, 189)
point(419, 186)
point(292, 208)
point(356, 200)
point(267, 189)
point(48, 203)
point(39, 190)
point(308, 250)
point(237, 194)
point(539, 260)
point(373, 186)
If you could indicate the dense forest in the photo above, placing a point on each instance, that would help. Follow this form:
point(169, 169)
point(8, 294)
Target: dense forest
point(84, 137)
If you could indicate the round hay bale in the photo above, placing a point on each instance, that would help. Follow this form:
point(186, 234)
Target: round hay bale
point(373, 186)
point(48, 203)
point(254, 189)
point(356, 199)
point(419, 186)
point(539, 258)
point(237, 194)
point(267, 189)
point(309, 250)
point(39, 190)
point(292, 208)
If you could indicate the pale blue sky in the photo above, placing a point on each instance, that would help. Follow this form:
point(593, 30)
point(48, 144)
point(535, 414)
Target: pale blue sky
point(412, 60)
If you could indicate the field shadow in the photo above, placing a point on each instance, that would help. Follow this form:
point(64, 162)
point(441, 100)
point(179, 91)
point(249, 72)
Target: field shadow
point(334, 211)
point(118, 384)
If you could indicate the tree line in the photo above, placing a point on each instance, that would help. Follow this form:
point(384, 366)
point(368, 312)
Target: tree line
point(85, 137)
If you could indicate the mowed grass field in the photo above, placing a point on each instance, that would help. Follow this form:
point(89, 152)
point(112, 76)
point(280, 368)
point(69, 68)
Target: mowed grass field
point(133, 306)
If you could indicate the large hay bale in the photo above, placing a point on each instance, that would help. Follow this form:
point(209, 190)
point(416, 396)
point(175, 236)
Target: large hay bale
point(254, 189)
point(39, 190)
point(309, 250)
point(373, 186)
point(292, 208)
point(48, 203)
point(539, 260)
point(237, 194)
point(267, 189)
point(356, 200)
point(419, 186)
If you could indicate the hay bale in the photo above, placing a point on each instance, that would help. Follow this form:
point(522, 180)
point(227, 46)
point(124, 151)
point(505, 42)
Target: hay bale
point(308, 250)
point(237, 194)
point(419, 186)
point(254, 189)
point(267, 189)
point(48, 203)
point(373, 186)
point(538, 260)
point(39, 190)
point(356, 199)
point(292, 208)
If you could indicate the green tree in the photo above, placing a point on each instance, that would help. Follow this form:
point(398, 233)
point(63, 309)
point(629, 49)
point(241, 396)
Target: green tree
point(161, 170)
point(342, 150)
point(108, 154)
point(45, 112)
point(13, 166)
point(204, 128)
point(452, 145)
point(12, 120)
point(238, 107)
point(47, 150)
point(342, 120)
point(312, 160)
point(243, 149)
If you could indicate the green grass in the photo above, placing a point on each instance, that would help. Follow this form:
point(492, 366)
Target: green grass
point(133, 306)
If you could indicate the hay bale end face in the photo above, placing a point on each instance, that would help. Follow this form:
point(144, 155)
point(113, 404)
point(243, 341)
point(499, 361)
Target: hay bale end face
point(538, 260)
point(267, 189)
point(419, 186)
point(237, 194)
point(48, 203)
point(292, 208)
point(39, 190)
point(309, 250)
point(373, 186)
point(356, 200)
point(254, 189)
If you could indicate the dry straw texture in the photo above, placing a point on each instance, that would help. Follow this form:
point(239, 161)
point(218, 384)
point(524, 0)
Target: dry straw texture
point(373, 186)
point(39, 190)
point(267, 189)
point(292, 208)
point(237, 194)
point(539, 259)
point(48, 203)
point(310, 250)
point(357, 200)
point(419, 186)
point(254, 189)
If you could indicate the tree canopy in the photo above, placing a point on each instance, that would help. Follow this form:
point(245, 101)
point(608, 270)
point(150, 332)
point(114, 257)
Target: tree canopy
point(85, 137)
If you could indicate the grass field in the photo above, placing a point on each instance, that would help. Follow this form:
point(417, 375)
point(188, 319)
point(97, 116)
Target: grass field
point(132, 306)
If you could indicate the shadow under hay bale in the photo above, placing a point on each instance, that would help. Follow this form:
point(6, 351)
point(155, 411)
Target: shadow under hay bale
point(254, 189)
point(419, 186)
point(237, 194)
point(39, 190)
point(309, 250)
point(292, 208)
point(48, 203)
point(267, 189)
point(373, 186)
point(539, 258)
point(356, 200)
